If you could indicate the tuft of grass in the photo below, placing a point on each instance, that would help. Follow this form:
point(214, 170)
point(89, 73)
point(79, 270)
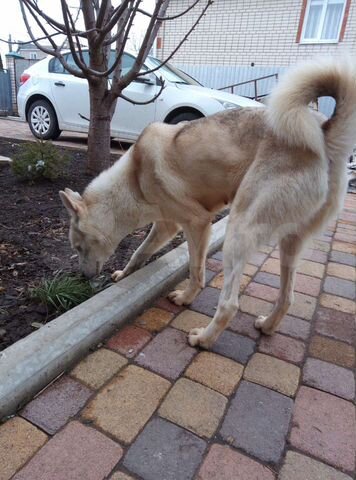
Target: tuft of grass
point(63, 292)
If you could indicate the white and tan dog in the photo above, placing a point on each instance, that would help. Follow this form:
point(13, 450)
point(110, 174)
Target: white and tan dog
point(282, 169)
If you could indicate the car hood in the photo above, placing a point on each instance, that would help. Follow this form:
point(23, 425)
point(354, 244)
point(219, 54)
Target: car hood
point(220, 95)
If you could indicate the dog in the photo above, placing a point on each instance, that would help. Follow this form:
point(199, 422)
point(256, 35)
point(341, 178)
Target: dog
point(281, 169)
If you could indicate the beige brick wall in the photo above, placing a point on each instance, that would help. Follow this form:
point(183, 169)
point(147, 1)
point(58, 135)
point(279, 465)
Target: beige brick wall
point(239, 32)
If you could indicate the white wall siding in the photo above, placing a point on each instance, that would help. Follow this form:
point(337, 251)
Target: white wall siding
point(239, 32)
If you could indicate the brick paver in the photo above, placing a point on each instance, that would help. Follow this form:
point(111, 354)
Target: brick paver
point(77, 452)
point(188, 319)
point(300, 467)
point(129, 340)
point(165, 451)
point(324, 427)
point(330, 378)
point(218, 281)
point(283, 347)
point(98, 367)
point(344, 258)
point(57, 404)
point(124, 406)
point(257, 422)
point(255, 306)
point(303, 284)
point(236, 347)
point(295, 327)
point(338, 303)
point(342, 271)
point(19, 441)
point(154, 319)
point(224, 463)
point(336, 324)
point(303, 306)
point(194, 407)
point(344, 247)
point(273, 373)
point(340, 287)
point(167, 354)
point(147, 405)
point(332, 351)
point(243, 323)
point(214, 371)
point(206, 301)
point(120, 476)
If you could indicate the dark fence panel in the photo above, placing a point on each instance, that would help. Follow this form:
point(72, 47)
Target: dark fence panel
point(5, 93)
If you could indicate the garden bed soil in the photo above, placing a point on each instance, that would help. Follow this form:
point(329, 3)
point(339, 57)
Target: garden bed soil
point(34, 241)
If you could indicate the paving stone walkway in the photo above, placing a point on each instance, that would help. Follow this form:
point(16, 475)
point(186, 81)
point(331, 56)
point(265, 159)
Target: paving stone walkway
point(15, 129)
point(145, 405)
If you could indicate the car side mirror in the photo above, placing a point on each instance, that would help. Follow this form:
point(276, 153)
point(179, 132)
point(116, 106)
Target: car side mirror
point(149, 79)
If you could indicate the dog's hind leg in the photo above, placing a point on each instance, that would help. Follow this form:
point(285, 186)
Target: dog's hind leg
point(290, 249)
point(161, 232)
point(198, 240)
point(241, 240)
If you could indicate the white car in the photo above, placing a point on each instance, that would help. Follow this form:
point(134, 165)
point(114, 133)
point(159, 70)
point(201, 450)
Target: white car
point(51, 100)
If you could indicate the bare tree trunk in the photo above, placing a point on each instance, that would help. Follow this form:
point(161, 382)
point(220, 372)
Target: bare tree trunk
point(102, 108)
point(99, 134)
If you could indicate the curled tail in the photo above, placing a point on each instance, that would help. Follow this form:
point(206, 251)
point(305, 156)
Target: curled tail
point(293, 121)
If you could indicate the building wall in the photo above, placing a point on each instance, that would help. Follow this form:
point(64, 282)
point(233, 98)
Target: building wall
point(31, 53)
point(242, 32)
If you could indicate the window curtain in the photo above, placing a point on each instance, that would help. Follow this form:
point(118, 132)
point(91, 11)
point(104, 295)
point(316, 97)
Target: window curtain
point(332, 21)
point(314, 17)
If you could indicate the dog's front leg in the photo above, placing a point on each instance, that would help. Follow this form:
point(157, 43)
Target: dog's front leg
point(161, 232)
point(198, 240)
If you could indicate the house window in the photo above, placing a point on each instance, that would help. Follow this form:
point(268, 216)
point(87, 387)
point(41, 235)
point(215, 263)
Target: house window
point(323, 21)
point(33, 56)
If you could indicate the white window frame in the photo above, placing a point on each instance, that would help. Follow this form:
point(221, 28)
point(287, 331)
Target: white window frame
point(321, 24)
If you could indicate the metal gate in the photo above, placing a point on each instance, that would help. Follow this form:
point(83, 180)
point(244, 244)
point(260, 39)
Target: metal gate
point(5, 93)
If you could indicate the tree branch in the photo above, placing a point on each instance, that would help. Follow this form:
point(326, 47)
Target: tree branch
point(184, 39)
point(89, 21)
point(101, 14)
point(173, 17)
point(67, 20)
point(117, 12)
point(48, 19)
point(152, 29)
point(163, 86)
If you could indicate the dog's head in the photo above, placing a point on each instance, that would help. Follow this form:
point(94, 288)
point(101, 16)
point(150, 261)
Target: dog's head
point(85, 234)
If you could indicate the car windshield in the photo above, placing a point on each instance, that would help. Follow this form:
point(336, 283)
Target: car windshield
point(171, 73)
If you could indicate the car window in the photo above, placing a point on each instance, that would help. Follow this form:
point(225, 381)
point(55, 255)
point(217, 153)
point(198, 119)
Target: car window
point(55, 65)
point(127, 62)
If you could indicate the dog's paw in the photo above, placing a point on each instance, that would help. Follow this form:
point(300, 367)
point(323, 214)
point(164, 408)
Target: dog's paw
point(178, 297)
point(260, 325)
point(117, 275)
point(196, 338)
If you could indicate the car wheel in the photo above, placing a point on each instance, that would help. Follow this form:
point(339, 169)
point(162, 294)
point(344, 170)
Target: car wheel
point(43, 121)
point(184, 117)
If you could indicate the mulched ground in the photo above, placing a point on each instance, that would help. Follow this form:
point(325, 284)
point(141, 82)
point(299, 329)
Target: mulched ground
point(34, 241)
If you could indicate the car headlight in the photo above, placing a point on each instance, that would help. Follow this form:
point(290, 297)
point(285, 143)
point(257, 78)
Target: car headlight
point(228, 105)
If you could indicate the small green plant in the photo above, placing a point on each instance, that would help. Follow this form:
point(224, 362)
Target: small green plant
point(39, 159)
point(63, 292)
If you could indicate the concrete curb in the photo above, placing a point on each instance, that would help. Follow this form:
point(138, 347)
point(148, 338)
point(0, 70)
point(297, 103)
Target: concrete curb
point(31, 363)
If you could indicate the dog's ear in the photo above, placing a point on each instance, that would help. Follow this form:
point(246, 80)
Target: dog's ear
point(72, 201)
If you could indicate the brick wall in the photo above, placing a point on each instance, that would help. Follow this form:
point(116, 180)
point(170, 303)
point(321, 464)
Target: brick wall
point(241, 32)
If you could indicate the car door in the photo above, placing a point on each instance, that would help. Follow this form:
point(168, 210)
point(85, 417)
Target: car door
point(70, 95)
point(129, 120)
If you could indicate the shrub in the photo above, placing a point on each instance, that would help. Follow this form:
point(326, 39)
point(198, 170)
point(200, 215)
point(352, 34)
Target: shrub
point(39, 159)
point(63, 292)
